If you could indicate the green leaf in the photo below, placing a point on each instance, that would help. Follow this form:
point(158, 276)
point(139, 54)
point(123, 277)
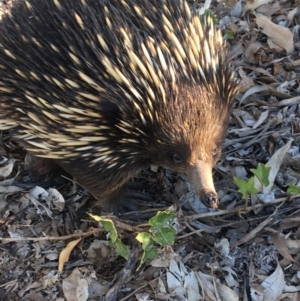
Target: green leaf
point(97, 218)
point(120, 248)
point(115, 241)
point(245, 188)
point(108, 225)
point(162, 229)
point(147, 244)
point(293, 189)
point(145, 239)
point(262, 173)
point(230, 34)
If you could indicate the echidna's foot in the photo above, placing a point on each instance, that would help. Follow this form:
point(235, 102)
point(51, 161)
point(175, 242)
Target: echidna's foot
point(139, 196)
point(40, 169)
point(132, 192)
point(39, 172)
point(134, 186)
point(126, 199)
point(133, 197)
point(133, 200)
point(123, 207)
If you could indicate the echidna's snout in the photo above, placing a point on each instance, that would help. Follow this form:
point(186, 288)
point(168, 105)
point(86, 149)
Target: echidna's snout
point(211, 200)
point(201, 177)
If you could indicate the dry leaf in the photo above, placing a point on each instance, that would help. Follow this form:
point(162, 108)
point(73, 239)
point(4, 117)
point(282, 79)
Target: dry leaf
point(75, 287)
point(251, 50)
point(252, 5)
point(281, 246)
point(6, 170)
point(281, 36)
point(226, 293)
point(273, 285)
point(65, 253)
point(292, 13)
point(275, 163)
point(56, 199)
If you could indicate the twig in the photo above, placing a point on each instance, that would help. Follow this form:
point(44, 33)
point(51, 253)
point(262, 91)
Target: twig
point(241, 209)
point(79, 234)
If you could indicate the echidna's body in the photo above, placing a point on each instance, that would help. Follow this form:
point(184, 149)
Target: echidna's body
point(106, 88)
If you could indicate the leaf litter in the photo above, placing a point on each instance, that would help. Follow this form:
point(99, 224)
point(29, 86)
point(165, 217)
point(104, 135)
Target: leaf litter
point(243, 251)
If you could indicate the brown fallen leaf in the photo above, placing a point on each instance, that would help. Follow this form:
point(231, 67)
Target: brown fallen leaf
point(281, 36)
point(252, 5)
point(65, 253)
point(281, 246)
point(75, 287)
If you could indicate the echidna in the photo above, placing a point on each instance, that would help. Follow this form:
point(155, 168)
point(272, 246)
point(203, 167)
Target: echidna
point(107, 87)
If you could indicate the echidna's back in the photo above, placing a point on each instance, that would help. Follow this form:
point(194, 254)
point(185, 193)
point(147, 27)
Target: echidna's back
point(62, 61)
point(51, 50)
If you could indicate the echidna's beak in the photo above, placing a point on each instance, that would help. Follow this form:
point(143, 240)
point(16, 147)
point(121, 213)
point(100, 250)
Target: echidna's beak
point(201, 177)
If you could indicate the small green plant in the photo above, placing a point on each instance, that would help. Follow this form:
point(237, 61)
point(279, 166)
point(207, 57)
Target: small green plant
point(149, 250)
point(293, 189)
point(262, 173)
point(161, 231)
point(229, 34)
point(247, 187)
point(115, 241)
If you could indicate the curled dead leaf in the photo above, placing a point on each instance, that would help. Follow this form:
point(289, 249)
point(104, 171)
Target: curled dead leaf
point(65, 253)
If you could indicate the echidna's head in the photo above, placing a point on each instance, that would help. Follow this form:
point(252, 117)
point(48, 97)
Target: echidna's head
point(175, 94)
point(188, 137)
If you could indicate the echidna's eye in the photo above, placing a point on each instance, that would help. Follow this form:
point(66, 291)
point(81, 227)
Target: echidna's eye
point(177, 159)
